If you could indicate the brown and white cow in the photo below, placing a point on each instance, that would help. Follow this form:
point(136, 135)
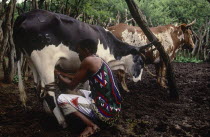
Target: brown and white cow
point(172, 38)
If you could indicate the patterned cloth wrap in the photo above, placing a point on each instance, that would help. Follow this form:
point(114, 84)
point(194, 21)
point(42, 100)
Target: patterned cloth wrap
point(105, 94)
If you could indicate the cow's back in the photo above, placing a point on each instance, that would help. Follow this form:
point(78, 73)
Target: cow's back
point(39, 28)
point(134, 35)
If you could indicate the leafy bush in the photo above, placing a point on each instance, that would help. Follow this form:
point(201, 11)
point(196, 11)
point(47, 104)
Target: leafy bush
point(183, 56)
point(15, 79)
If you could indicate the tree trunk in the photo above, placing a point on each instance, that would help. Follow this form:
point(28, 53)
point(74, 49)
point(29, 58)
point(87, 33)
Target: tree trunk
point(195, 49)
point(24, 6)
point(2, 16)
point(41, 3)
point(7, 27)
point(11, 68)
point(206, 39)
point(5, 65)
point(46, 4)
point(138, 16)
point(34, 4)
point(7, 47)
point(66, 7)
point(61, 9)
point(203, 32)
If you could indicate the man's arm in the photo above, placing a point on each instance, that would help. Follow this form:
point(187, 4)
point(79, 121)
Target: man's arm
point(70, 76)
point(80, 76)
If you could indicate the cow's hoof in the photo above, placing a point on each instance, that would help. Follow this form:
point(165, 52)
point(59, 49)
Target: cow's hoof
point(164, 86)
point(64, 125)
point(27, 108)
point(127, 90)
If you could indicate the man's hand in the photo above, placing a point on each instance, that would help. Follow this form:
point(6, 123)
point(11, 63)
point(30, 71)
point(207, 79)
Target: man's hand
point(58, 73)
point(65, 78)
point(62, 77)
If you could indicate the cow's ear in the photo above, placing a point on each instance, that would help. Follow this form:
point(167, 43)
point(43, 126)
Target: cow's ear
point(183, 27)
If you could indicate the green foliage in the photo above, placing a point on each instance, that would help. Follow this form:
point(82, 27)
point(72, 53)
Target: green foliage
point(162, 12)
point(100, 10)
point(186, 11)
point(186, 58)
point(103, 10)
point(157, 12)
point(15, 79)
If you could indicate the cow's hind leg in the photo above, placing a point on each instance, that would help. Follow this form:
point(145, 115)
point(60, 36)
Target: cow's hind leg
point(161, 74)
point(163, 81)
point(158, 73)
point(37, 82)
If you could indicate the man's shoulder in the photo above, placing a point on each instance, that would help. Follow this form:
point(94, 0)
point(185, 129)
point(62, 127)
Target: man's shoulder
point(90, 60)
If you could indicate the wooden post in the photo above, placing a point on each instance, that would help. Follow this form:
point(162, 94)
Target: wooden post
point(138, 16)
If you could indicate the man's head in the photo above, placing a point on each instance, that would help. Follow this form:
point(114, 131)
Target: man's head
point(86, 47)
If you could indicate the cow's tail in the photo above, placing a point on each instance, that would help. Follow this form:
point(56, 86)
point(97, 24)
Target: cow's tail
point(17, 31)
point(23, 97)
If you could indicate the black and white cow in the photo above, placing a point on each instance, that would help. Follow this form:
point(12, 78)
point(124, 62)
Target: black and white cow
point(46, 38)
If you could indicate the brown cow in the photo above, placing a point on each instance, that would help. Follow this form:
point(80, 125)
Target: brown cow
point(172, 38)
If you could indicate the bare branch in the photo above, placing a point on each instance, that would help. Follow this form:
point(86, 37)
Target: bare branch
point(129, 20)
point(80, 15)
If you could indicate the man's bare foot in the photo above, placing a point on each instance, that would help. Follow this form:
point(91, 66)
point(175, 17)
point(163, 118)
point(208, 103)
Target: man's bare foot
point(89, 130)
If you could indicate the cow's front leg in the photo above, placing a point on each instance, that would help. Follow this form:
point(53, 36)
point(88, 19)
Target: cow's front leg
point(45, 61)
point(121, 78)
point(50, 102)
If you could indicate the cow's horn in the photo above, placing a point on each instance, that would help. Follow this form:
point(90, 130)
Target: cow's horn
point(190, 24)
point(146, 46)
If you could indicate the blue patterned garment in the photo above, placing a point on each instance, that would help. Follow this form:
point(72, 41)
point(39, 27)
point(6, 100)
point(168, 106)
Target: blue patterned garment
point(105, 93)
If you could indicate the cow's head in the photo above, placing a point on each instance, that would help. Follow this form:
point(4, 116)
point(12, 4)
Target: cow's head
point(137, 67)
point(134, 66)
point(137, 63)
point(188, 35)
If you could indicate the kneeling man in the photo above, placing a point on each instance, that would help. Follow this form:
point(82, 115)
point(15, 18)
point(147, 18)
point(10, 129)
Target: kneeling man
point(103, 102)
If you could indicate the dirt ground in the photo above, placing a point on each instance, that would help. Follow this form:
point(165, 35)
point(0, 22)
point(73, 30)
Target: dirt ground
point(147, 110)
